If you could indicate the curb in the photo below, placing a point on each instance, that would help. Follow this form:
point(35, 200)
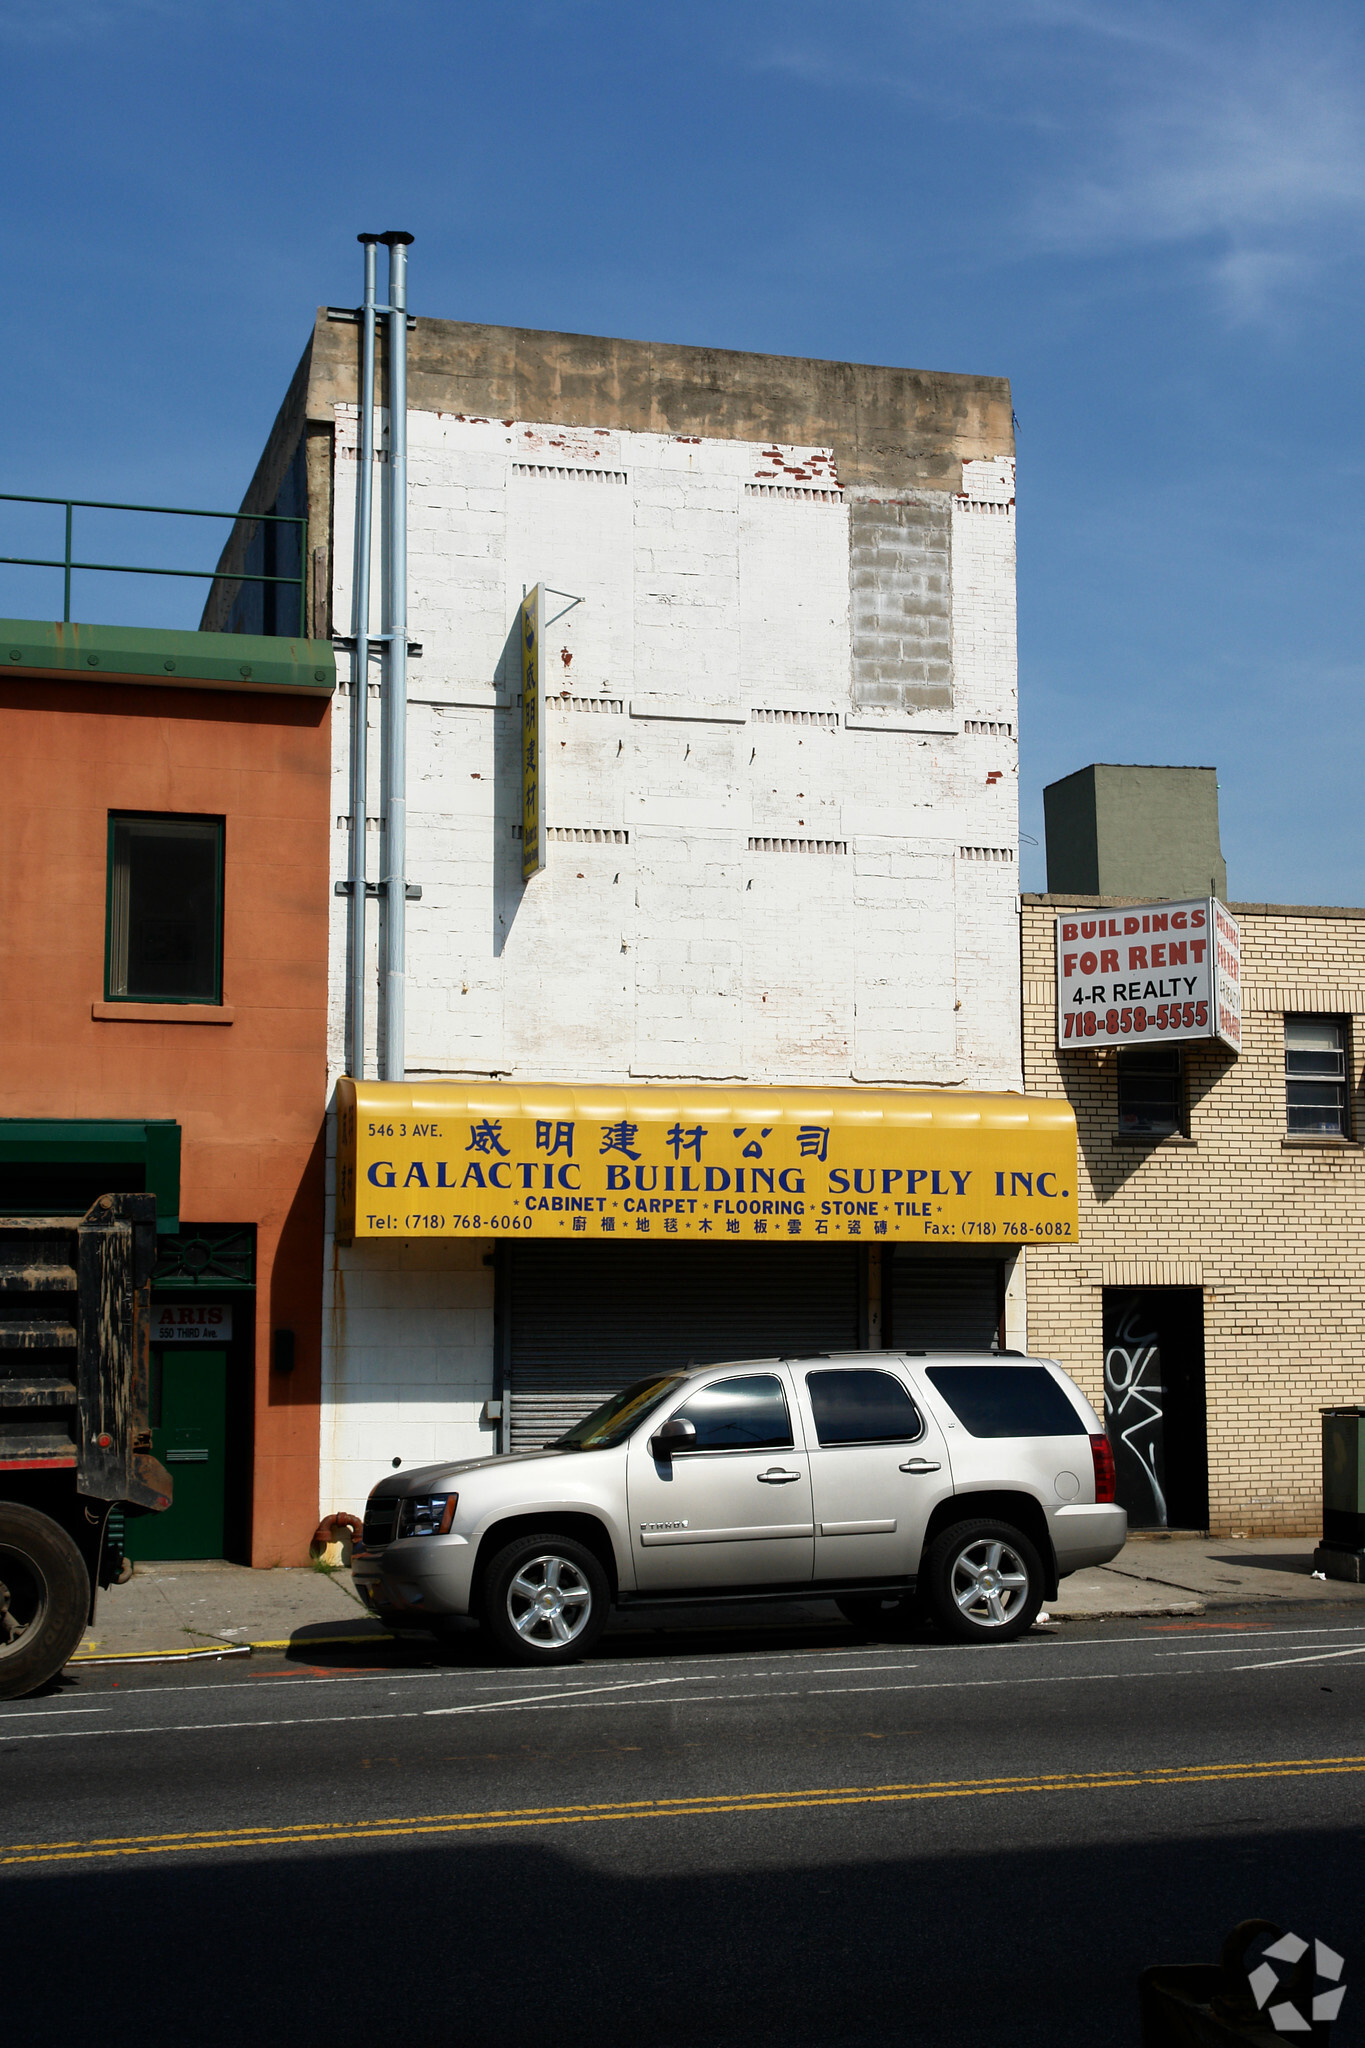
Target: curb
point(320, 1642)
point(217, 1650)
point(1129, 1613)
point(158, 1656)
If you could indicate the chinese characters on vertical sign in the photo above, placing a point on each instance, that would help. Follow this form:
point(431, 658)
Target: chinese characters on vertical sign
point(532, 737)
point(1227, 975)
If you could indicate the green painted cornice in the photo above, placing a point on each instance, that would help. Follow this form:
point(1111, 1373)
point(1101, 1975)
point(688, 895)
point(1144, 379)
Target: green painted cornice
point(176, 661)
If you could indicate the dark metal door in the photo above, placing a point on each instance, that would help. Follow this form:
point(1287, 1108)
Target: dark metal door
point(1154, 1404)
point(944, 1304)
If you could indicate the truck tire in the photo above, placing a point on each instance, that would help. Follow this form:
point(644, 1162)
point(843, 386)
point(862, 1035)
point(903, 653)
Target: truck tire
point(44, 1599)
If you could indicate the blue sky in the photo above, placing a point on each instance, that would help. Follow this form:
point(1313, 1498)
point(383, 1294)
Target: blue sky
point(1149, 217)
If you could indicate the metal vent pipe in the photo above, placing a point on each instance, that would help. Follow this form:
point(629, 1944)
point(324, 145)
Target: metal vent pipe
point(393, 879)
point(360, 672)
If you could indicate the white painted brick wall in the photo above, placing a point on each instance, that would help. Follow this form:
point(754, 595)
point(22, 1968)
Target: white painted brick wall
point(680, 951)
point(985, 691)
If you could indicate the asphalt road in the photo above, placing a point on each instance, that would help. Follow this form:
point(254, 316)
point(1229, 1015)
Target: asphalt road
point(758, 1835)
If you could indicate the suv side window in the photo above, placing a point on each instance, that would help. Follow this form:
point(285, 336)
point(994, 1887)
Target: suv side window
point(748, 1414)
point(861, 1407)
point(1005, 1400)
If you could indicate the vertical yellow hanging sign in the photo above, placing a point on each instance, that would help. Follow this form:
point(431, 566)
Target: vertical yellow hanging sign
point(532, 737)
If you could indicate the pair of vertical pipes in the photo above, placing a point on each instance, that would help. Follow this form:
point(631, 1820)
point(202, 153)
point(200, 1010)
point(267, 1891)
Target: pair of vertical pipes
point(393, 641)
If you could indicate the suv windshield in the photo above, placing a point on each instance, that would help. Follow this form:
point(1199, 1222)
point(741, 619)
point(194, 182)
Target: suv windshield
point(617, 1417)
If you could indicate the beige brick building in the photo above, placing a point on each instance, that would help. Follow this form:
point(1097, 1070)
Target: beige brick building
point(1217, 1282)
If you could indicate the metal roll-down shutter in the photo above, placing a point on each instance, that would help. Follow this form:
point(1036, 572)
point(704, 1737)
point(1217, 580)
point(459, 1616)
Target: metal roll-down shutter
point(940, 1304)
point(587, 1319)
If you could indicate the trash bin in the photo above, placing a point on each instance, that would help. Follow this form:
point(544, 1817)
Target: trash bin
point(1341, 1554)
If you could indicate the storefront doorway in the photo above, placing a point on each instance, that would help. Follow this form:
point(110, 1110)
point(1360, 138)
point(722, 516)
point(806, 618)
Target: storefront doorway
point(202, 1400)
point(1154, 1407)
point(189, 1436)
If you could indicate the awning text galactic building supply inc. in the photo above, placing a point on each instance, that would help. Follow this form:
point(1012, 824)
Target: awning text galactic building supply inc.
point(452, 1159)
point(1150, 974)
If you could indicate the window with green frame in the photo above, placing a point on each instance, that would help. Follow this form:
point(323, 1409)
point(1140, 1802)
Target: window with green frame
point(164, 918)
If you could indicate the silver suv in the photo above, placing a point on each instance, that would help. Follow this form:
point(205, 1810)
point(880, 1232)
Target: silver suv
point(966, 1483)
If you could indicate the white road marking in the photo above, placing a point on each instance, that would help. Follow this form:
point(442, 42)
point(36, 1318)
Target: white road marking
point(1313, 1657)
point(54, 1713)
point(814, 1691)
point(558, 1702)
point(832, 1669)
point(1259, 1629)
point(777, 1662)
point(217, 1727)
point(587, 1694)
point(737, 1659)
point(1225, 1650)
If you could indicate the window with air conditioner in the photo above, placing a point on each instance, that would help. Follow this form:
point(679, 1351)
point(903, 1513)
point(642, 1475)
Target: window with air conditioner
point(1315, 1077)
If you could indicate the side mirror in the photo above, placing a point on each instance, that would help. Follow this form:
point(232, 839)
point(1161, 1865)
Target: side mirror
point(677, 1434)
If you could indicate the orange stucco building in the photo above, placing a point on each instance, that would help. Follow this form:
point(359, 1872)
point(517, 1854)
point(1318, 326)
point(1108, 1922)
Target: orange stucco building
point(163, 991)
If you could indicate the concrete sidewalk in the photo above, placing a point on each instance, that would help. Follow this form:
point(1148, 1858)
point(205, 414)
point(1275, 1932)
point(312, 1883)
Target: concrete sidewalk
point(206, 1605)
point(213, 1609)
point(1192, 1574)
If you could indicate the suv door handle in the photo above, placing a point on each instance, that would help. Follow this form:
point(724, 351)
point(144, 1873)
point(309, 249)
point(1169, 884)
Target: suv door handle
point(775, 1476)
point(921, 1465)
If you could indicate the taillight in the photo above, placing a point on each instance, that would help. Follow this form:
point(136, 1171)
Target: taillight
point(1102, 1452)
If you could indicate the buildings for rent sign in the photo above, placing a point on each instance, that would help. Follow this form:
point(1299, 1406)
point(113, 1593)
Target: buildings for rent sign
point(1150, 974)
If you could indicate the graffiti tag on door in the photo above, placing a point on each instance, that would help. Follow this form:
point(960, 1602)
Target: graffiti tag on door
point(1135, 1415)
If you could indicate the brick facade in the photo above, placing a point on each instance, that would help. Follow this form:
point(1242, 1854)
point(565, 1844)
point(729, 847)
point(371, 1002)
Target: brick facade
point(1268, 1227)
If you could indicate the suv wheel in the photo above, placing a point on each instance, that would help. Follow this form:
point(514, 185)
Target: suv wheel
point(983, 1582)
point(545, 1599)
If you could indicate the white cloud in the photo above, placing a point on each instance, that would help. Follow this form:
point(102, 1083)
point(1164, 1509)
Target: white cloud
point(1230, 134)
point(1249, 150)
point(56, 23)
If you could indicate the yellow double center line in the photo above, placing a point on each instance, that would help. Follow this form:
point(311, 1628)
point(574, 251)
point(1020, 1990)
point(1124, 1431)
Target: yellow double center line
point(494, 1820)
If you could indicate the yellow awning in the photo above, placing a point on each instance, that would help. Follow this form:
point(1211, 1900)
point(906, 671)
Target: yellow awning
point(495, 1159)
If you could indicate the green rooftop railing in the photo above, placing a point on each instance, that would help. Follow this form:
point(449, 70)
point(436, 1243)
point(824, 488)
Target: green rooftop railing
point(67, 562)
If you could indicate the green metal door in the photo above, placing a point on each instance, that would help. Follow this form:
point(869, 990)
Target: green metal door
point(189, 1435)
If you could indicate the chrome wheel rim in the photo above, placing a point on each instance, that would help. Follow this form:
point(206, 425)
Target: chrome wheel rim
point(549, 1601)
point(989, 1582)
